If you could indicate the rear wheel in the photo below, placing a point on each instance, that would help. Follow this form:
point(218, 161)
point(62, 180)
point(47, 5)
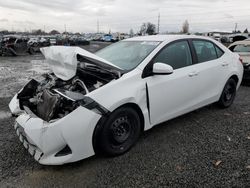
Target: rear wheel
point(119, 132)
point(228, 94)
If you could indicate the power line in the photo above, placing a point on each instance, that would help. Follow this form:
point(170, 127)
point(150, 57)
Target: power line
point(235, 28)
point(97, 26)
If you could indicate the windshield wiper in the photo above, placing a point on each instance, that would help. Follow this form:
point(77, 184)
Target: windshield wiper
point(101, 70)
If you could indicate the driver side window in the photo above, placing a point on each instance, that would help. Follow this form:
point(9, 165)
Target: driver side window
point(177, 55)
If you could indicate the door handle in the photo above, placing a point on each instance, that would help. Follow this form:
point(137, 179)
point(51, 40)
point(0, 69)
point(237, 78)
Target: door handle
point(191, 74)
point(224, 64)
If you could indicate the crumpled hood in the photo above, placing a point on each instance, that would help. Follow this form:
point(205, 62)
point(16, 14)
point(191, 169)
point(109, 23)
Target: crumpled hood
point(63, 60)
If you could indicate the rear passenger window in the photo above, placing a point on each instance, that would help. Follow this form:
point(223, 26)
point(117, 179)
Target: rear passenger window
point(219, 52)
point(177, 55)
point(205, 50)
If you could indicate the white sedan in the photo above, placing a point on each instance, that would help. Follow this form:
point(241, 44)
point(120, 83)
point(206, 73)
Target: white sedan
point(243, 49)
point(101, 102)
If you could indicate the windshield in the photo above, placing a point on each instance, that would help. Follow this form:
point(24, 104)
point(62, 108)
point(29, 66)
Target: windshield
point(127, 54)
point(242, 48)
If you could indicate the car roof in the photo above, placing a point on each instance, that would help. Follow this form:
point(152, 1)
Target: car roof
point(246, 42)
point(162, 38)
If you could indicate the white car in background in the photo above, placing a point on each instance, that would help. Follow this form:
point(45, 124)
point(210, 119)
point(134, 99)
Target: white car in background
point(243, 49)
point(102, 102)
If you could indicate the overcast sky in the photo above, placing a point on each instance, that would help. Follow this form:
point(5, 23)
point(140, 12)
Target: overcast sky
point(122, 15)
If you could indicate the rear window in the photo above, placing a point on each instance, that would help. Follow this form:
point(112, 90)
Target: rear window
point(219, 51)
point(242, 48)
point(206, 50)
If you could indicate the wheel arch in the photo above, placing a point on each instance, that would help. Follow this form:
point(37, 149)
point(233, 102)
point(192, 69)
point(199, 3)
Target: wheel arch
point(237, 78)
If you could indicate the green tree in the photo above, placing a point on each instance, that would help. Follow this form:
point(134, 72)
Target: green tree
point(54, 32)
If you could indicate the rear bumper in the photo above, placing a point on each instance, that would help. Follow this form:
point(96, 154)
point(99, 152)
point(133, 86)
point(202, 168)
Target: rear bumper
point(246, 75)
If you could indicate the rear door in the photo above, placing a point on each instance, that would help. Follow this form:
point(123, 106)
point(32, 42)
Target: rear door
point(212, 66)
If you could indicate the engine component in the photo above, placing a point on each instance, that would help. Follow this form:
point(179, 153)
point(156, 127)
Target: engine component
point(54, 98)
point(48, 106)
point(73, 96)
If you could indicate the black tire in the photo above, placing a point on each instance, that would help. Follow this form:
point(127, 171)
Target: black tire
point(228, 94)
point(31, 51)
point(118, 133)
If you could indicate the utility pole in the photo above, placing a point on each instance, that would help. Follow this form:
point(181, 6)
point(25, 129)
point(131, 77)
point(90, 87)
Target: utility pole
point(65, 28)
point(158, 28)
point(235, 28)
point(97, 26)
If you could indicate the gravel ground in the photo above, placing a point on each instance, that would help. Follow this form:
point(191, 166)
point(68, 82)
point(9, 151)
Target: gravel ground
point(209, 147)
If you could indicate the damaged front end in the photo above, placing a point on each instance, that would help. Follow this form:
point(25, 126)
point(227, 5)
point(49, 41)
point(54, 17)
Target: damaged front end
point(54, 98)
point(76, 73)
point(57, 112)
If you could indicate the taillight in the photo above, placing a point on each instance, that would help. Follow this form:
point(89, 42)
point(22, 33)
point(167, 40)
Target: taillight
point(241, 60)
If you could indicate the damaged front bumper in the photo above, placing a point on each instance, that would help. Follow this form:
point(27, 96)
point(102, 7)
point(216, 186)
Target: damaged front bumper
point(46, 141)
point(32, 149)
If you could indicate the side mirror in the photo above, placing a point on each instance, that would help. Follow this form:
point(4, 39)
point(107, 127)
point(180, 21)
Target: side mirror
point(162, 69)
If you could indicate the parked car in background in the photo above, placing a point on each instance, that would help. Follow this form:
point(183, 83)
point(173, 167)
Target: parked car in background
point(102, 102)
point(243, 49)
point(53, 41)
point(78, 41)
point(109, 38)
point(15, 45)
point(33, 41)
point(38, 42)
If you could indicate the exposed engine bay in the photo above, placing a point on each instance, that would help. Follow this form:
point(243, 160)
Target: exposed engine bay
point(54, 98)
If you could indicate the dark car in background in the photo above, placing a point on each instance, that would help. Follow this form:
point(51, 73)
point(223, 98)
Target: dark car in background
point(15, 45)
point(78, 41)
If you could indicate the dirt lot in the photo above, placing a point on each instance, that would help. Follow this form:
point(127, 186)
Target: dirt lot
point(206, 148)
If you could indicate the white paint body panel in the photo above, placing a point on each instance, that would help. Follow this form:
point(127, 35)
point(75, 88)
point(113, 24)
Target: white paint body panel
point(169, 96)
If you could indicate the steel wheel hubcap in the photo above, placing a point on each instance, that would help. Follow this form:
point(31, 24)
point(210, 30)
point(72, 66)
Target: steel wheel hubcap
point(121, 129)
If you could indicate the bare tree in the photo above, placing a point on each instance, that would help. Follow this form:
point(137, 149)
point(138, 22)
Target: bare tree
point(245, 31)
point(131, 33)
point(148, 28)
point(185, 27)
point(143, 29)
point(38, 32)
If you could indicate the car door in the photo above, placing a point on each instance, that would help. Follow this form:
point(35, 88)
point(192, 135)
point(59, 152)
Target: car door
point(174, 94)
point(20, 46)
point(212, 68)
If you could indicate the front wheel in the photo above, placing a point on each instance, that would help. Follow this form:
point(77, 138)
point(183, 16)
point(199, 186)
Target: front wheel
point(119, 132)
point(228, 94)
